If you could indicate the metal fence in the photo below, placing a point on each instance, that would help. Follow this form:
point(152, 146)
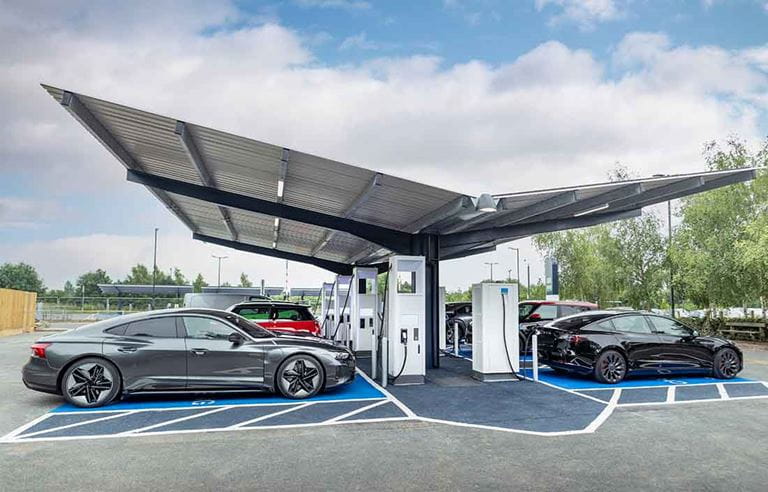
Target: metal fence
point(97, 308)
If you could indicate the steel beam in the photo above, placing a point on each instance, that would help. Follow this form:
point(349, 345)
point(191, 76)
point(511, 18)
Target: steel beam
point(193, 153)
point(389, 238)
point(443, 215)
point(356, 203)
point(582, 206)
point(85, 117)
point(528, 229)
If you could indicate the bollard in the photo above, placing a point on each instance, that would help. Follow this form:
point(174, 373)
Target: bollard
point(373, 354)
point(535, 355)
point(384, 361)
point(456, 338)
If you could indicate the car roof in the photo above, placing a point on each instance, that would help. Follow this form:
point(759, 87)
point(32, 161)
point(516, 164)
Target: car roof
point(560, 303)
point(269, 303)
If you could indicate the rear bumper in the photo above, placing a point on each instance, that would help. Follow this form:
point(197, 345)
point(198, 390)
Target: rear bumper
point(565, 360)
point(39, 376)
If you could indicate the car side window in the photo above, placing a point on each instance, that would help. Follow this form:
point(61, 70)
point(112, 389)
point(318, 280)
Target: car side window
point(606, 325)
point(291, 314)
point(567, 310)
point(631, 324)
point(547, 311)
point(207, 328)
point(156, 328)
point(256, 313)
point(668, 326)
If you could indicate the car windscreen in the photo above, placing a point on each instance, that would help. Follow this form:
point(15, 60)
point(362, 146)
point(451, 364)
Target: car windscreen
point(249, 327)
point(292, 313)
point(577, 321)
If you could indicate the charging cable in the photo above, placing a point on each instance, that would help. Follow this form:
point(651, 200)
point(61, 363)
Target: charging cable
point(504, 332)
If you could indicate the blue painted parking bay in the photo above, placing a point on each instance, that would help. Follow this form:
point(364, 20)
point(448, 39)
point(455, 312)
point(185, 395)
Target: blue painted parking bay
point(359, 401)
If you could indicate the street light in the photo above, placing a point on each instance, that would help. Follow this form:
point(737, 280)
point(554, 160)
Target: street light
point(490, 264)
point(154, 269)
point(528, 287)
point(669, 252)
point(218, 276)
point(517, 255)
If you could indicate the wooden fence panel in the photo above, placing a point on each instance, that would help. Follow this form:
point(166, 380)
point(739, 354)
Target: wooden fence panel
point(17, 311)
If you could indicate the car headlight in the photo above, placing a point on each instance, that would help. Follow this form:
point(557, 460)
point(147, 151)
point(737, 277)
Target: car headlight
point(343, 356)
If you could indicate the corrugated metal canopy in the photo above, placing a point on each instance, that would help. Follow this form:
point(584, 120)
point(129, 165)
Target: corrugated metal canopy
point(268, 199)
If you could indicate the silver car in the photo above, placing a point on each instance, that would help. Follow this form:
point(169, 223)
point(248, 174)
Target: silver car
point(182, 350)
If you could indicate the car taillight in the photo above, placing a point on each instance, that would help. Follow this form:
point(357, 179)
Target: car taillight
point(38, 349)
point(535, 316)
point(576, 339)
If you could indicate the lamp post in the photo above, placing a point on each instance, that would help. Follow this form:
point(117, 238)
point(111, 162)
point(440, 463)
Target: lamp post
point(517, 257)
point(218, 275)
point(154, 268)
point(528, 287)
point(669, 253)
point(490, 264)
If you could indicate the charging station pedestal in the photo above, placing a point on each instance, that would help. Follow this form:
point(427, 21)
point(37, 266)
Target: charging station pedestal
point(406, 313)
point(494, 314)
point(443, 338)
point(326, 308)
point(363, 299)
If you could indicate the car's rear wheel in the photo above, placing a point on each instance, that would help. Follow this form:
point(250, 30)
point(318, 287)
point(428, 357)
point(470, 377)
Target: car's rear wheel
point(726, 364)
point(300, 376)
point(610, 367)
point(90, 382)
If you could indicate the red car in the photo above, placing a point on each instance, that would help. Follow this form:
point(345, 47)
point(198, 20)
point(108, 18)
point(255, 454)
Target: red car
point(538, 311)
point(284, 317)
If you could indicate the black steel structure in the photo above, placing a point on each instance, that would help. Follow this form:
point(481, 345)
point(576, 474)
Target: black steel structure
point(270, 200)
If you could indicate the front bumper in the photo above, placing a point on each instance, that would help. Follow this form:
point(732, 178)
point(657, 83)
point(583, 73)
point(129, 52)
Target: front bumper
point(343, 373)
point(39, 376)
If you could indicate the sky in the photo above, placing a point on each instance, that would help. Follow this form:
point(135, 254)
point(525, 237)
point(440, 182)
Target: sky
point(469, 95)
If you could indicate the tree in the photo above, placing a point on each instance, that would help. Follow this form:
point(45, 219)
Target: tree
point(69, 289)
point(20, 276)
point(244, 281)
point(139, 276)
point(639, 258)
point(90, 281)
point(199, 283)
point(178, 277)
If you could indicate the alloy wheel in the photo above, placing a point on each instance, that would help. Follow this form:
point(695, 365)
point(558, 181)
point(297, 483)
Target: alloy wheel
point(729, 364)
point(301, 378)
point(612, 367)
point(89, 384)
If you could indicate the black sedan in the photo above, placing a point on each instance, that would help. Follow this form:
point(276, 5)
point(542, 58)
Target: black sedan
point(610, 345)
point(182, 350)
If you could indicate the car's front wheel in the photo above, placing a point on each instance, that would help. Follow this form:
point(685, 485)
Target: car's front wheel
point(90, 382)
point(726, 364)
point(610, 367)
point(300, 376)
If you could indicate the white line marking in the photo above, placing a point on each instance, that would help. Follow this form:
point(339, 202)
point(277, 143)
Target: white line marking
point(670, 394)
point(356, 411)
point(180, 419)
point(270, 415)
point(11, 435)
point(233, 405)
point(680, 402)
point(502, 429)
point(217, 429)
point(77, 424)
point(665, 386)
point(607, 411)
point(573, 392)
point(389, 395)
point(721, 390)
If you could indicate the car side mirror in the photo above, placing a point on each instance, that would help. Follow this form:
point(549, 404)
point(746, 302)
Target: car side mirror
point(235, 338)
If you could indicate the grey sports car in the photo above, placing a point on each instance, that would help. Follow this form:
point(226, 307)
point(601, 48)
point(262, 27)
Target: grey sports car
point(182, 350)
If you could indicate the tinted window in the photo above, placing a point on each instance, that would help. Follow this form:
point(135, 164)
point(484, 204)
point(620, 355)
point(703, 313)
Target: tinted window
point(631, 324)
point(157, 328)
point(292, 314)
point(606, 325)
point(670, 327)
point(577, 321)
point(547, 311)
point(524, 309)
point(117, 330)
point(566, 310)
point(254, 313)
point(206, 328)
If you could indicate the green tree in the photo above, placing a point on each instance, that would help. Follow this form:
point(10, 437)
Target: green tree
point(178, 277)
point(20, 276)
point(69, 289)
point(91, 280)
point(139, 276)
point(244, 281)
point(199, 283)
point(638, 255)
point(709, 269)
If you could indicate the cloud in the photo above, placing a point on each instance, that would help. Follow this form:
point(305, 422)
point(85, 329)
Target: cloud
point(18, 213)
point(359, 42)
point(584, 13)
point(336, 4)
point(552, 116)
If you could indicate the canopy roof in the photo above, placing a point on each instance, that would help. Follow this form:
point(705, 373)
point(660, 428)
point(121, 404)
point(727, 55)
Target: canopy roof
point(267, 199)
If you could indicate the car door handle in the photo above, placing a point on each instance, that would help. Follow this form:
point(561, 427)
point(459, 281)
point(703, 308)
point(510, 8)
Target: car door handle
point(127, 350)
point(199, 351)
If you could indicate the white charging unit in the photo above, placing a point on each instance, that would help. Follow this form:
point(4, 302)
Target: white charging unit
point(443, 339)
point(495, 342)
point(338, 331)
point(405, 320)
point(364, 321)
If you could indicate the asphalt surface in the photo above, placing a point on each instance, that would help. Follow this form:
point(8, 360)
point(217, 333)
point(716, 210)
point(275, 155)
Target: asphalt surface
point(707, 446)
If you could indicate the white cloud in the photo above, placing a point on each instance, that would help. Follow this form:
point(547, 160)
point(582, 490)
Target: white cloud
point(549, 117)
point(19, 213)
point(358, 42)
point(584, 13)
point(336, 4)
